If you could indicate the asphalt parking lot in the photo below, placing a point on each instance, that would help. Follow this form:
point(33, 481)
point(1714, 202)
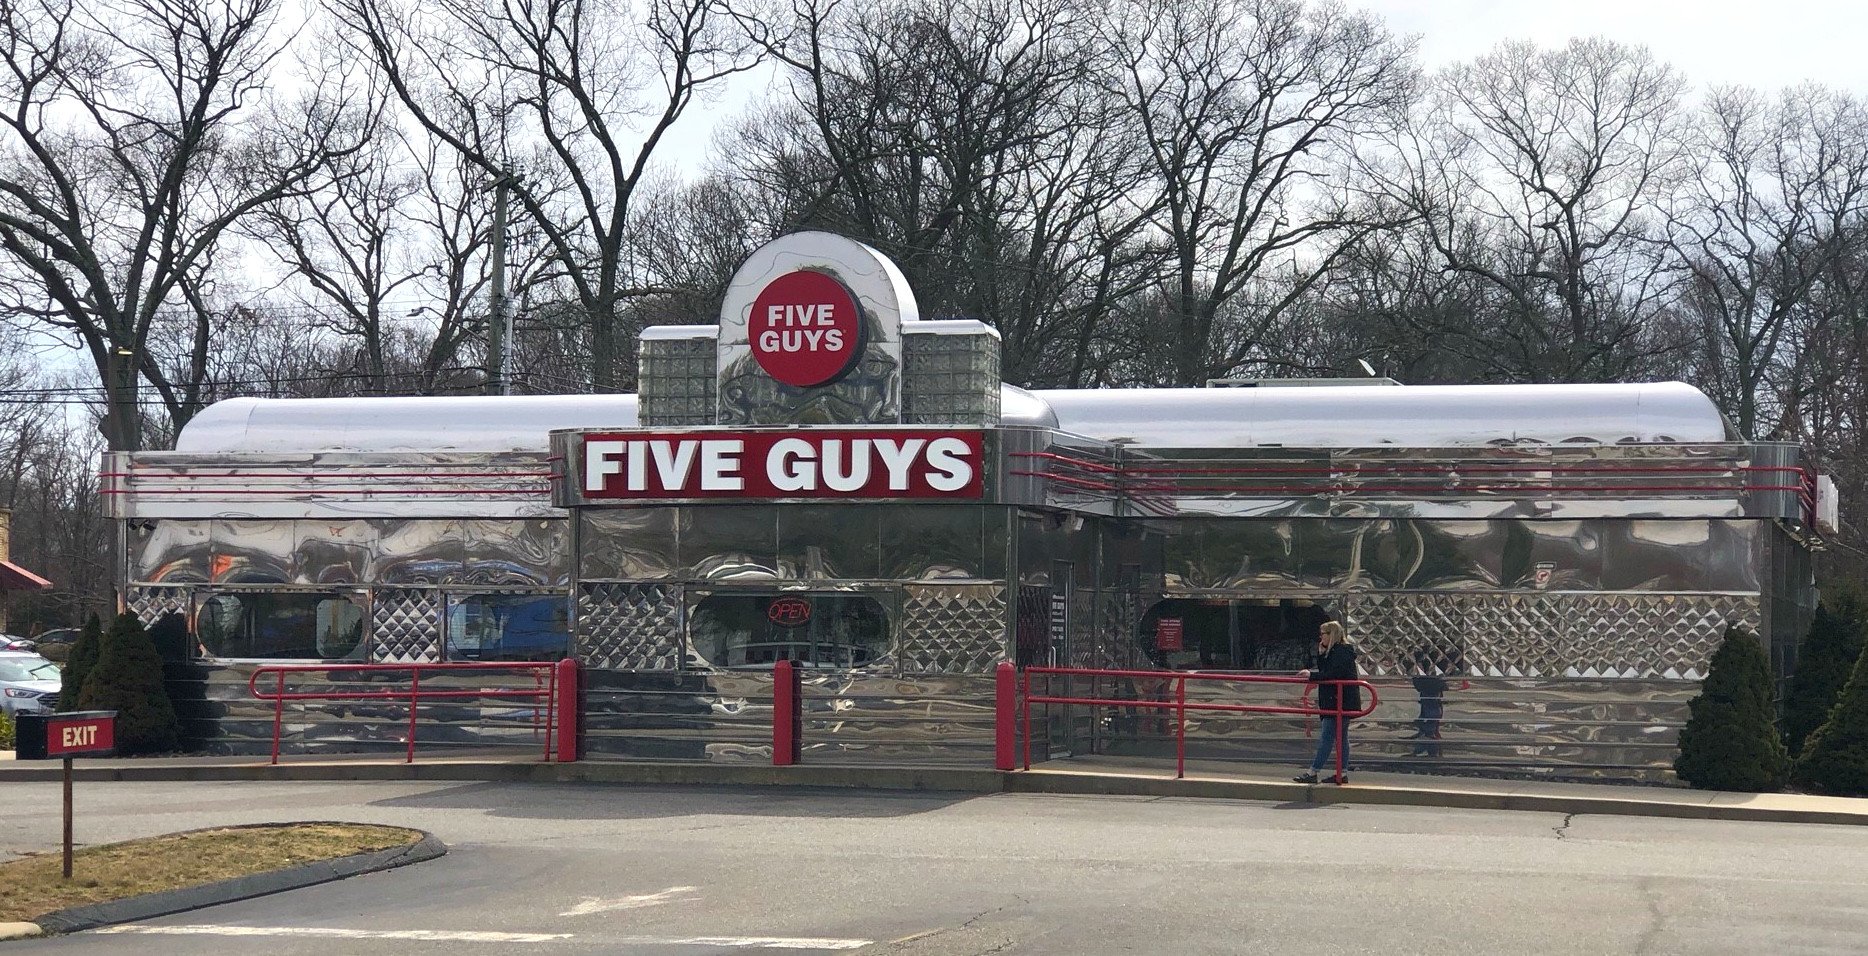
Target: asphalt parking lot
point(577, 869)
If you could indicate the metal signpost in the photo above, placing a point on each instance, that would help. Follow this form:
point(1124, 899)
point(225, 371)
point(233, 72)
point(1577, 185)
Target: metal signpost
point(84, 733)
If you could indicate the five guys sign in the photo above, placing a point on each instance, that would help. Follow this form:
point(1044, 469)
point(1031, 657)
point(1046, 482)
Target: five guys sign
point(806, 329)
point(814, 463)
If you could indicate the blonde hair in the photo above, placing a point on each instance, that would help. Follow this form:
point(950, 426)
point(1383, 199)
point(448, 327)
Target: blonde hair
point(1335, 630)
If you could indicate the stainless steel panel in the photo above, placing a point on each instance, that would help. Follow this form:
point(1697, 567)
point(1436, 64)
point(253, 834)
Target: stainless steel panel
point(416, 551)
point(954, 629)
point(1548, 728)
point(170, 551)
point(406, 626)
point(332, 552)
point(627, 543)
point(629, 626)
point(514, 552)
point(728, 542)
point(931, 542)
point(251, 551)
point(830, 542)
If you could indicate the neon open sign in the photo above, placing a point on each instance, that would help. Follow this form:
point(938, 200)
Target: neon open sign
point(788, 612)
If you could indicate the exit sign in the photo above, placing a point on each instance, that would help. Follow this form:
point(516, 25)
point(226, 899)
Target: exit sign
point(85, 733)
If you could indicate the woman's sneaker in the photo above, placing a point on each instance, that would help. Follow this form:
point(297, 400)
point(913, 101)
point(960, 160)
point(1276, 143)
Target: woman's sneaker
point(1305, 778)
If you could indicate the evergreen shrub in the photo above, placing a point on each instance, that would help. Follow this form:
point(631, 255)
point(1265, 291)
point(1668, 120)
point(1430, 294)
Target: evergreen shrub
point(1835, 757)
point(1730, 741)
point(128, 680)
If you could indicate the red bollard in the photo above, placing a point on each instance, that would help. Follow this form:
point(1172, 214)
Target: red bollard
point(1005, 716)
point(785, 715)
point(568, 739)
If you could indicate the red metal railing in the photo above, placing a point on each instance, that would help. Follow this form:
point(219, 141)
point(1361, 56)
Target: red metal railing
point(1015, 699)
point(554, 687)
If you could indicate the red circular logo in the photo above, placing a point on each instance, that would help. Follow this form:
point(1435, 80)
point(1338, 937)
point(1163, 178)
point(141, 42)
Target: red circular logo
point(806, 329)
point(789, 612)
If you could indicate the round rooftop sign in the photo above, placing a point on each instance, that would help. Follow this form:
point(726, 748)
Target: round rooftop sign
point(806, 329)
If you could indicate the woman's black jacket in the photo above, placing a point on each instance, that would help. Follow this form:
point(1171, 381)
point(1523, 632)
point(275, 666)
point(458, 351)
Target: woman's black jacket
point(1338, 664)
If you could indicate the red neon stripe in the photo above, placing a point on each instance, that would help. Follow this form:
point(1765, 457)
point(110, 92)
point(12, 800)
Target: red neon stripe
point(327, 492)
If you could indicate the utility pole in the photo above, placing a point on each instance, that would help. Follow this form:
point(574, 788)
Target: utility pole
point(499, 322)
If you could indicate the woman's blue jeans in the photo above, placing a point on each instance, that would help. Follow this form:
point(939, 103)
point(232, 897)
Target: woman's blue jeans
point(1326, 744)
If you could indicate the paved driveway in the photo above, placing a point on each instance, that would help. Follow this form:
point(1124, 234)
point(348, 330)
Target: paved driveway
point(593, 869)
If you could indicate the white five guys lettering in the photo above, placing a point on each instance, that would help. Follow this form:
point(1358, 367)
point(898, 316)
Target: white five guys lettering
point(791, 465)
point(801, 328)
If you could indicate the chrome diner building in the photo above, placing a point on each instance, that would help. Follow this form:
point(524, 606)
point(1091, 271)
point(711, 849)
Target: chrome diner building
point(826, 477)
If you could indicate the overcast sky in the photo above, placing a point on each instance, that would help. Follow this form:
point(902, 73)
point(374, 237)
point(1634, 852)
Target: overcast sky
point(1766, 44)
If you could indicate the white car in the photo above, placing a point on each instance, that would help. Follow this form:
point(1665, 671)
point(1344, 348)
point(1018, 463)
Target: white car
point(28, 684)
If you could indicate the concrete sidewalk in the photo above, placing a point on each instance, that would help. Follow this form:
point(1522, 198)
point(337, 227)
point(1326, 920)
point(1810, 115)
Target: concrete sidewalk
point(1080, 775)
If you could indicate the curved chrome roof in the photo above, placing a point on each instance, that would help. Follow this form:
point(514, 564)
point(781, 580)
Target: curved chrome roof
point(1411, 415)
point(1314, 417)
point(454, 423)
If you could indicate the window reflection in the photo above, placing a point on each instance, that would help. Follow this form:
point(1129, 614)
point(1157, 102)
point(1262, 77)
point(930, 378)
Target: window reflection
point(1261, 634)
point(508, 627)
point(831, 631)
point(282, 626)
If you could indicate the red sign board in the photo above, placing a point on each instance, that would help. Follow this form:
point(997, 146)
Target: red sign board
point(1170, 634)
point(792, 463)
point(805, 329)
point(76, 736)
point(789, 612)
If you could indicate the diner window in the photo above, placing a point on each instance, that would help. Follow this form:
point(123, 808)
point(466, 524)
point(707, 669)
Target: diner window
point(508, 627)
point(828, 631)
point(282, 626)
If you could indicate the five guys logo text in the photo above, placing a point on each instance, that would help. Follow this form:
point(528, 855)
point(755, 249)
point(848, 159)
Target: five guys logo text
point(873, 463)
point(806, 329)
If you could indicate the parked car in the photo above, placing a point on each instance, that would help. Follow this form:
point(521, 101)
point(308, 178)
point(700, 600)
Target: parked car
point(28, 684)
point(58, 635)
point(13, 642)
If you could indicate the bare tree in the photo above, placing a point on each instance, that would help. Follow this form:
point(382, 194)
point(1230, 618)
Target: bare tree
point(973, 142)
point(568, 101)
point(1776, 190)
point(400, 223)
point(1248, 110)
point(1556, 161)
point(135, 134)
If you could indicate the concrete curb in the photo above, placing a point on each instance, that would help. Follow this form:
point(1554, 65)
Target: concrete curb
point(1066, 782)
point(151, 905)
point(1700, 805)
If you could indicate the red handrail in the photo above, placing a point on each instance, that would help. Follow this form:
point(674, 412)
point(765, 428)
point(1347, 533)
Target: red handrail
point(1180, 706)
point(545, 687)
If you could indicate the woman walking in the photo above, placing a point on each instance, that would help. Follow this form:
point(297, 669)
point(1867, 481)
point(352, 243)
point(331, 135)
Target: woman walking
point(1335, 661)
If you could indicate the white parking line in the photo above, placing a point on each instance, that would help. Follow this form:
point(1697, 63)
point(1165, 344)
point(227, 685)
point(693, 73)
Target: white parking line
point(464, 936)
point(746, 942)
point(329, 932)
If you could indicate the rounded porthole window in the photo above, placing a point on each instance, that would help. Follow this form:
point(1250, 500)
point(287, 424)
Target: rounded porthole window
point(340, 629)
point(219, 625)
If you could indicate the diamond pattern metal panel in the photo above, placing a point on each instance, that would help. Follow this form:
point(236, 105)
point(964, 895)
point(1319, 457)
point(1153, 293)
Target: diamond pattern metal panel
point(953, 629)
point(406, 627)
point(151, 604)
point(629, 627)
point(1666, 636)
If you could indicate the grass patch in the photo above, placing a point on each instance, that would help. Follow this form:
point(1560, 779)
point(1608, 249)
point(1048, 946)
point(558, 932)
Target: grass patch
point(31, 887)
